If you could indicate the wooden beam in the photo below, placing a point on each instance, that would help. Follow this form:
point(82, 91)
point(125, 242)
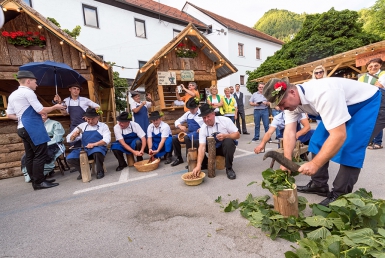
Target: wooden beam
point(355, 69)
point(334, 69)
point(161, 96)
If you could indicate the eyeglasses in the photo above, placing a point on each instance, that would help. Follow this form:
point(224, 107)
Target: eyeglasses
point(374, 66)
point(320, 72)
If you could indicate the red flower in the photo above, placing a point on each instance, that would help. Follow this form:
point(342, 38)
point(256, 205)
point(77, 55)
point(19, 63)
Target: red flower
point(5, 33)
point(30, 39)
point(280, 84)
point(29, 32)
point(42, 38)
point(36, 33)
point(193, 48)
point(180, 45)
point(19, 33)
point(13, 35)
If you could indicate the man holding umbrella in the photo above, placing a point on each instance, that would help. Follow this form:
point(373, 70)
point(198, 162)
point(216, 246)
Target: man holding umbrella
point(95, 136)
point(24, 106)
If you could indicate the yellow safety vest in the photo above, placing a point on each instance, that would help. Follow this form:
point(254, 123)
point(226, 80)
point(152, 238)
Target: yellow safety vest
point(228, 105)
point(365, 78)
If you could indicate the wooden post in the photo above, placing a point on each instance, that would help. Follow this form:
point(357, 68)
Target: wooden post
point(212, 153)
point(85, 167)
point(192, 156)
point(286, 202)
point(130, 160)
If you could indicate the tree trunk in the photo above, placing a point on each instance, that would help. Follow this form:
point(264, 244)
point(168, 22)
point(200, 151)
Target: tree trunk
point(212, 153)
point(85, 167)
point(286, 202)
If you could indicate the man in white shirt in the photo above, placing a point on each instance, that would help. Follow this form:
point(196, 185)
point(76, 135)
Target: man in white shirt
point(159, 138)
point(352, 113)
point(261, 111)
point(24, 107)
point(95, 137)
point(225, 133)
point(194, 123)
point(140, 109)
point(130, 139)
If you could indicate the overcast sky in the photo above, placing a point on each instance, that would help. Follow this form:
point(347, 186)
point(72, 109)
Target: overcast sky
point(248, 12)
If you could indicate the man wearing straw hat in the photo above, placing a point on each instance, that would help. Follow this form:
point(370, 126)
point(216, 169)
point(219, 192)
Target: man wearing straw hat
point(24, 107)
point(95, 136)
point(352, 113)
point(194, 123)
point(159, 138)
point(225, 133)
point(130, 139)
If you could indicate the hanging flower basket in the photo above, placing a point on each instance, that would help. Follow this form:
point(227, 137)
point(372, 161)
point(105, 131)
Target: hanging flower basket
point(182, 51)
point(25, 39)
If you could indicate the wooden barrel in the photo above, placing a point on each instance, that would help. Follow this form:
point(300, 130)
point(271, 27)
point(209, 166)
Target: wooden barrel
point(192, 156)
point(286, 202)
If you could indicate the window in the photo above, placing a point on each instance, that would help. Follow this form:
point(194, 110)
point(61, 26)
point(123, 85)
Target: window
point(140, 28)
point(240, 49)
point(28, 2)
point(175, 33)
point(242, 80)
point(142, 63)
point(90, 15)
point(258, 53)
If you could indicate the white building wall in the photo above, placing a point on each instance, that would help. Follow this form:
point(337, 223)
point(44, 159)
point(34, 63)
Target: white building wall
point(115, 38)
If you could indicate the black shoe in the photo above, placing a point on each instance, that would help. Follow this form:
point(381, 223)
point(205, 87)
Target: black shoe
point(246, 133)
point(43, 185)
point(230, 173)
point(311, 188)
point(139, 158)
point(329, 199)
point(100, 175)
point(73, 170)
point(177, 162)
point(50, 180)
point(79, 177)
point(168, 158)
point(186, 167)
point(120, 168)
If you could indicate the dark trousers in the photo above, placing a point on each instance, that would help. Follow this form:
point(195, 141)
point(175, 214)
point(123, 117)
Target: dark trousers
point(227, 150)
point(177, 146)
point(35, 157)
point(97, 157)
point(241, 115)
point(119, 154)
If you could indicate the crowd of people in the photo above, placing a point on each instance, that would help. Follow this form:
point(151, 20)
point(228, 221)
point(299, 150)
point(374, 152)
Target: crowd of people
point(350, 118)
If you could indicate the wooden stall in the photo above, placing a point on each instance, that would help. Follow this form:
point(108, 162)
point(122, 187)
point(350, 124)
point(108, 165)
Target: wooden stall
point(207, 67)
point(349, 64)
point(59, 47)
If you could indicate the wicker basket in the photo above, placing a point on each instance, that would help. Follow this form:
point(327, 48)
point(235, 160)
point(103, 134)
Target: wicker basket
point(181, 136)
point(143, 166)
point(193, 181)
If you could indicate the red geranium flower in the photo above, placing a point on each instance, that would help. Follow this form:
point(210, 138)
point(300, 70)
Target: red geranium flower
point(280, 84)
point(19, 33)
point(29, 32)
point(193, 48)
point(30, 39)
point(5, 33)
point(42, 38)
point(180, 45)
point(36, 33)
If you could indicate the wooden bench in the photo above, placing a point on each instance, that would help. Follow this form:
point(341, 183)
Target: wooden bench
point(298, 151)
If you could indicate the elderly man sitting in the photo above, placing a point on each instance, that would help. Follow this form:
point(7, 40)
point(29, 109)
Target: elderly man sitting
point(55, 147)
point(95, 136)
point(130, 139)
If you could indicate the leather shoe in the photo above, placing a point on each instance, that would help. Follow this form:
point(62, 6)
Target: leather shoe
point(120, 168)
point(177, 162)
point(100, 175)
point(329, 199)
point(246, 133)
point(230, 173)
point(79, 177)
point(50, 180)
point(311, 188)
point(43, 185)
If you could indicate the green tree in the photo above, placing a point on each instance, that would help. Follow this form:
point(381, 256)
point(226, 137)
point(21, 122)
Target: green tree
point(322, 35)
point(75, 32)
point(373, 18)
point(121, 86)
point(281, 24)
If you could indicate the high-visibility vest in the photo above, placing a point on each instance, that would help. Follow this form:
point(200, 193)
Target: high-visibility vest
point(228, 105)
point(219, 100)
point(365, 78)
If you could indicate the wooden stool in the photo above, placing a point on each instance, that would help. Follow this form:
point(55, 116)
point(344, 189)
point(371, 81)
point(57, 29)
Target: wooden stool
point(130, 160)
point(60, 165)
point(298, 151)
point(220, 162)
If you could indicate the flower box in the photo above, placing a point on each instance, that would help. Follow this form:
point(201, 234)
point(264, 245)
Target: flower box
point(25, 39)
point(29, 47)
point(182, 51)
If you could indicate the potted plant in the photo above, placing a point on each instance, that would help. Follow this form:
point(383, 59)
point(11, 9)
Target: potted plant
point(183, 51)
point(25, 39)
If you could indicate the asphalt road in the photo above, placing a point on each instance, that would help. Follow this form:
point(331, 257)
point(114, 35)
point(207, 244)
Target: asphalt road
point(152, 214)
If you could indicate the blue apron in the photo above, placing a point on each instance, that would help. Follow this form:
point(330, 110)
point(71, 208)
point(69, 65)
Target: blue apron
point(193, 127)
point(358, 129)
point(129, 138)
point(76, 117)
point(142, 118)
point(34, 125)
point(218, 143)
point(89, 137)
point(167, 147)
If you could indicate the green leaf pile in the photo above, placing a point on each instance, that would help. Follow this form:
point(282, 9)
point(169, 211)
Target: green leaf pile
point(277, 180)
point(352, 226)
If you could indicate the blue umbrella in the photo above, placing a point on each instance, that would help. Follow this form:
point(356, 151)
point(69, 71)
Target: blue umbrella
point(50, 73)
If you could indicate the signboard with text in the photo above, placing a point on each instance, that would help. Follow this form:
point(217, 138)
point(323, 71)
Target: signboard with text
point(166, 78)
point(362, 59)
point(187, 75)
